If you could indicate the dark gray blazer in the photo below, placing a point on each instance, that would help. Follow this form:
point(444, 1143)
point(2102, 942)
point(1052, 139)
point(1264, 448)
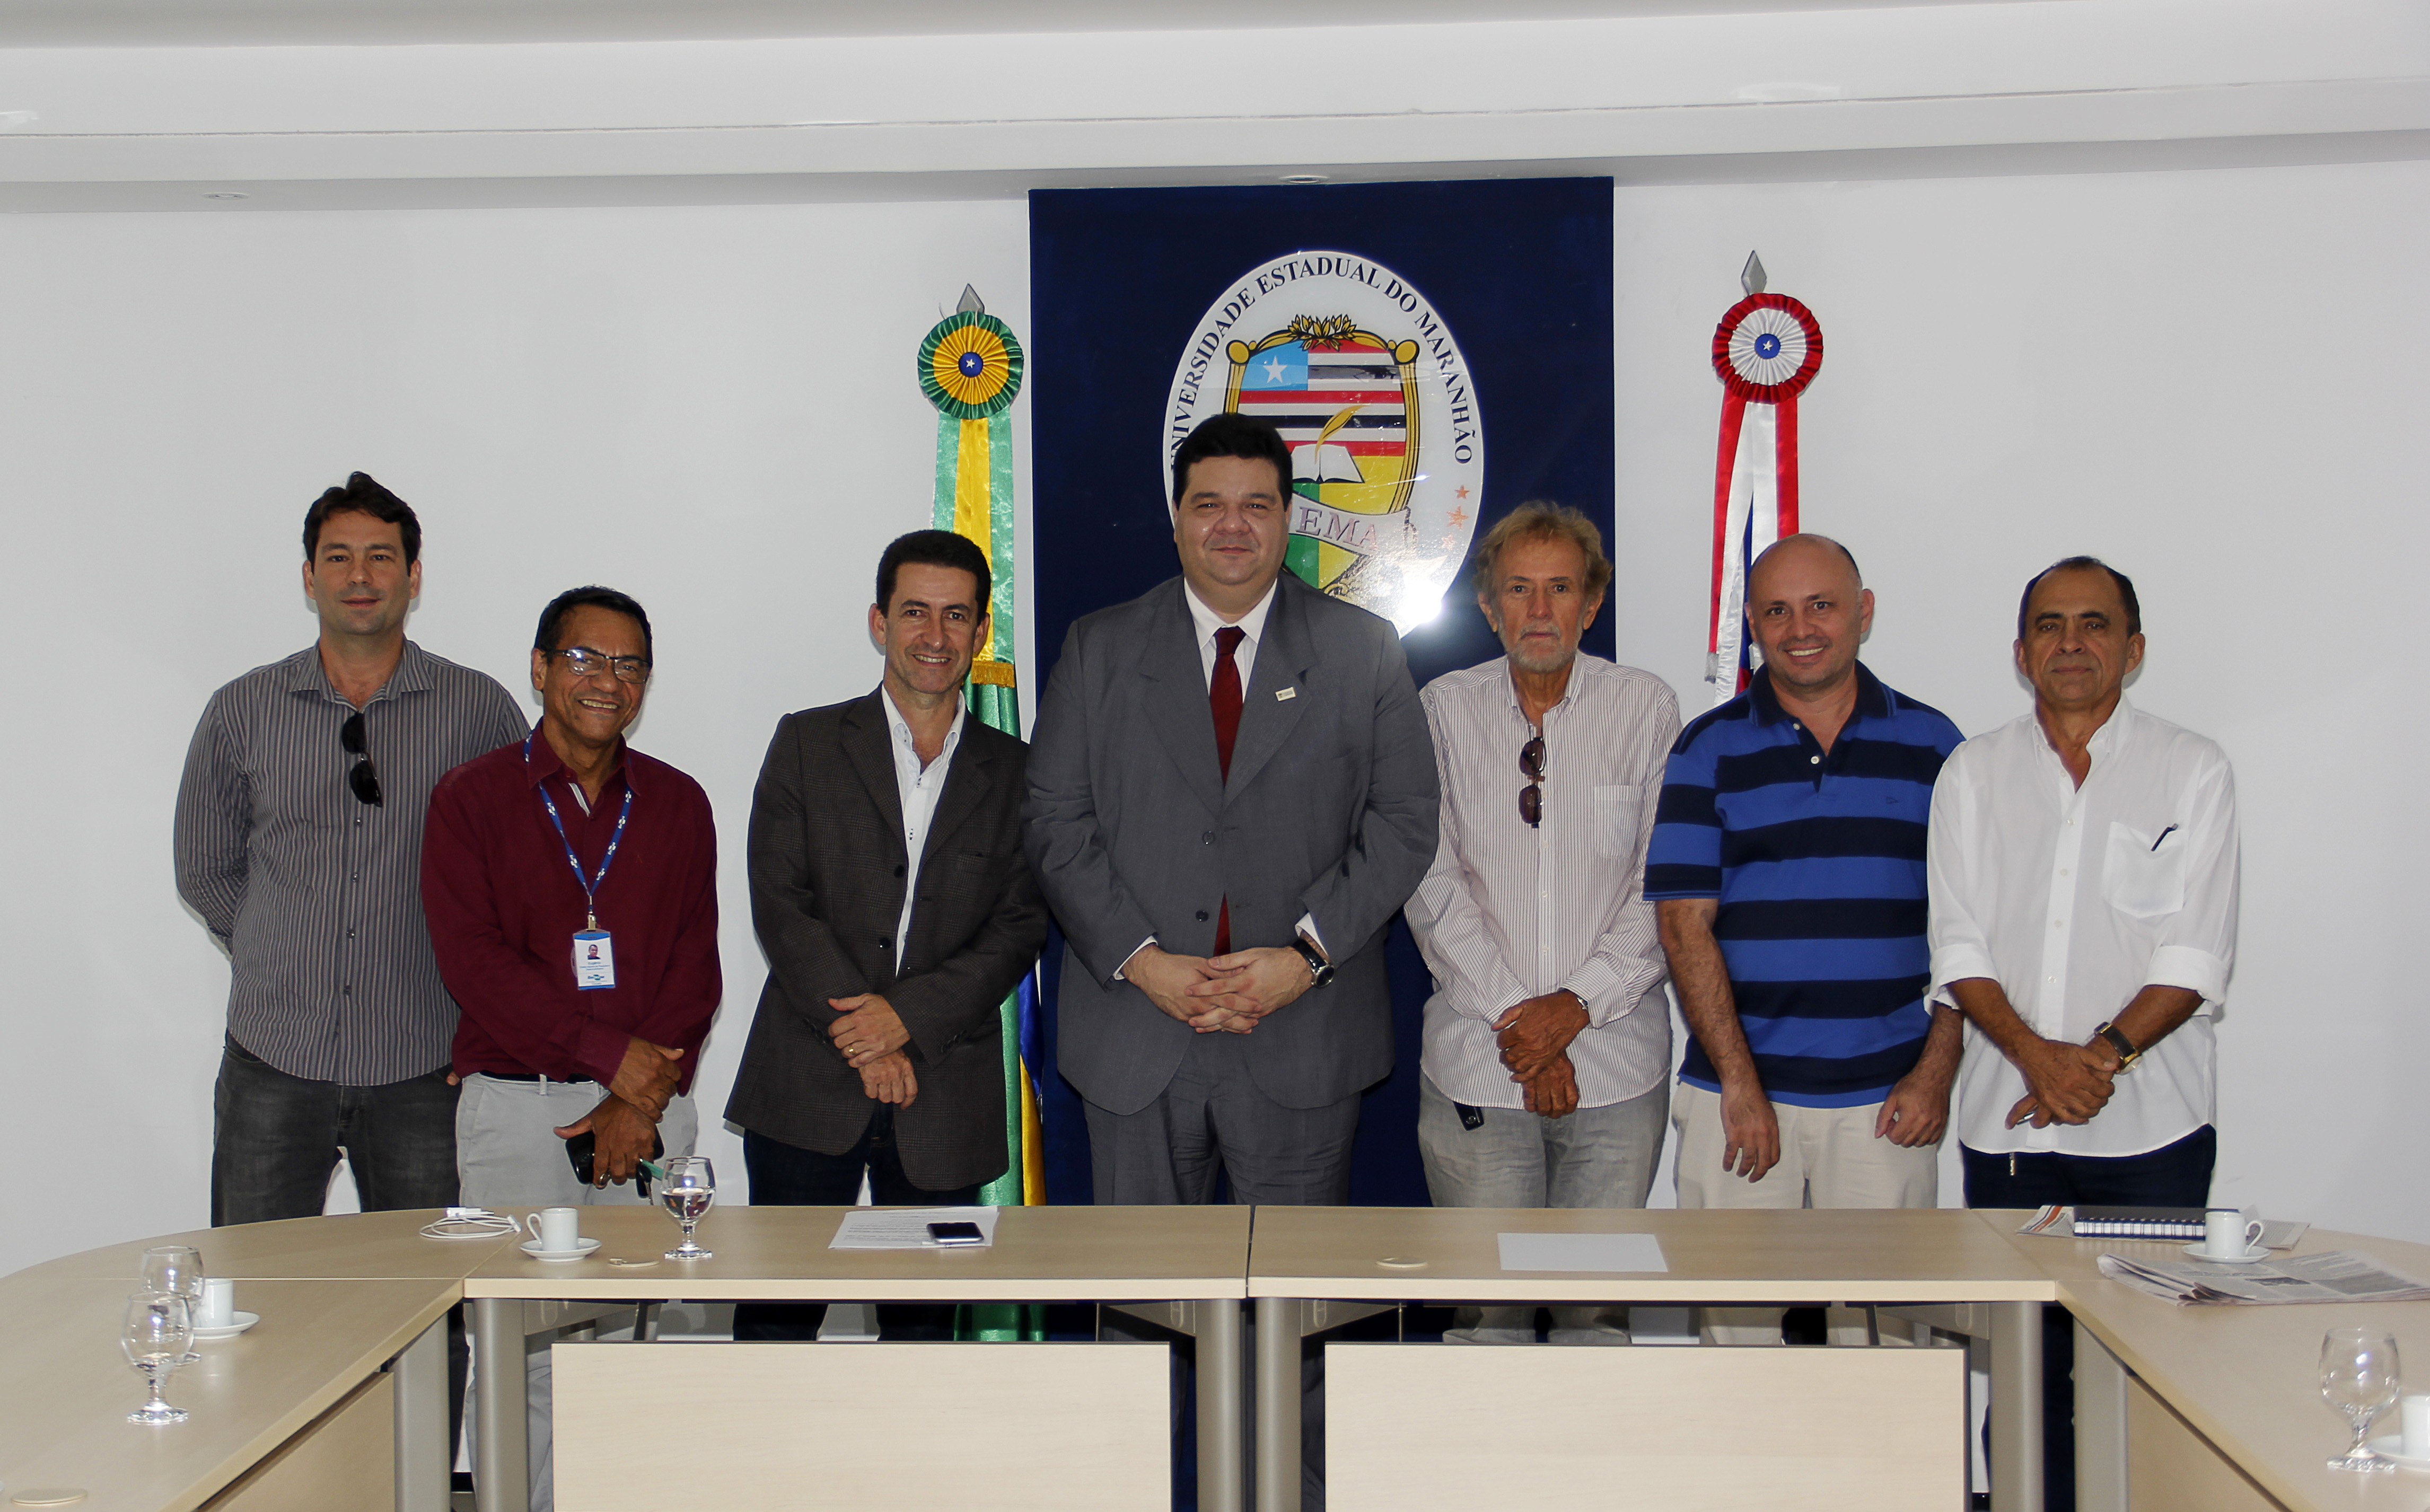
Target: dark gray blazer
point(827, 860)
point(1330, 809)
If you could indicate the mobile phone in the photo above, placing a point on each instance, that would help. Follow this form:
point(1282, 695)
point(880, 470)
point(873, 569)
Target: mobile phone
point(583, 1151)
point(956, 1233)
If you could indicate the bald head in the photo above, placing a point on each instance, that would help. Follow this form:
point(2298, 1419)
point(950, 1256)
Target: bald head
point(1812, 548)
point(1807, 608)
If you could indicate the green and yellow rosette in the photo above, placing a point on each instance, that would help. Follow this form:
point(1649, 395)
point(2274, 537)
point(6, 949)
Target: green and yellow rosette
point(969, 366)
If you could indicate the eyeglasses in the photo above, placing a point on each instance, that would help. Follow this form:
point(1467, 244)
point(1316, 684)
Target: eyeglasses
point(584, 662)
point(362, 777)
point(1531, 797)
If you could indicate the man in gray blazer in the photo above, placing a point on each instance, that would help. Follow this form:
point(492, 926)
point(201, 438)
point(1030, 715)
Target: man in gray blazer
point(896, 910)
point(1231, 791)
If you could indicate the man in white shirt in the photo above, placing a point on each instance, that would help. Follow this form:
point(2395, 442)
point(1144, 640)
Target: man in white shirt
point(1545, 1071)
point(2082, 861)
point(2083, 869)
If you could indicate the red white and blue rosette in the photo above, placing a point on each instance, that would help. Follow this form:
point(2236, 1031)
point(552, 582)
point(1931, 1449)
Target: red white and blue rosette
point(1766, 350)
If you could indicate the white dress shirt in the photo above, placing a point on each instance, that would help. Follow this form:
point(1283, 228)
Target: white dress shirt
point(2073, 900)
point(919, 787)
point(1507, 913)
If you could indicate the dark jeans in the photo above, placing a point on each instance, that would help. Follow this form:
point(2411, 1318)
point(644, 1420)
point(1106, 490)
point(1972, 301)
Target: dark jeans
point(276, 1139)
point(785, 1176)
point(274, 1142)
point(2174, 1175)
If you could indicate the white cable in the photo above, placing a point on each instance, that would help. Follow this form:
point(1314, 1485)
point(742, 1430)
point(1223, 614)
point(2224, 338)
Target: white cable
point(471, 1224)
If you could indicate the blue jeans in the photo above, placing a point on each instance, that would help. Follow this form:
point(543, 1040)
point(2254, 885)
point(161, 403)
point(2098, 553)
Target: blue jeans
point(2174, 1175)
point(787, 1175)
point(276, 1140)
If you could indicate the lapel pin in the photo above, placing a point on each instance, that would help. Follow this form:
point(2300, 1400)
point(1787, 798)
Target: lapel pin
point(1285, 695)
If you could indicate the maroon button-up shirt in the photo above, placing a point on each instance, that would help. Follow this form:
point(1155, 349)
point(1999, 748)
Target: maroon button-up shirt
point(504, 907)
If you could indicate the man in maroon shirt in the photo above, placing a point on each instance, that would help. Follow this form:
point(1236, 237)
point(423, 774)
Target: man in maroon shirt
point(570, 882)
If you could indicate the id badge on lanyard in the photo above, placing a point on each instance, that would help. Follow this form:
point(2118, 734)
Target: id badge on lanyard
point(594, 949)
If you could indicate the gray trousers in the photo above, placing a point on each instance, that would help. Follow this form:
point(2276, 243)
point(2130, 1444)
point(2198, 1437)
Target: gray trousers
point(508, 1155)
point(1210, 1117)
point(1592, 1157)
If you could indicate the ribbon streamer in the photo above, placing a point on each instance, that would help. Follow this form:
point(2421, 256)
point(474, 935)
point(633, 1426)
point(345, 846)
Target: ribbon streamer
point(1767, 349)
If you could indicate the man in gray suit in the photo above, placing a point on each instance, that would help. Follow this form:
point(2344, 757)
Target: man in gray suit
point(896, 911)
point(1231, 791)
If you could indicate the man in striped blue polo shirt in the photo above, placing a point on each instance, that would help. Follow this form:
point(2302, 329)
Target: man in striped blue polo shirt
point(1788, 869)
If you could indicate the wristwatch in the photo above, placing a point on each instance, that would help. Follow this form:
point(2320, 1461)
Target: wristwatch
point(1319, 970)
point(2127, 1053)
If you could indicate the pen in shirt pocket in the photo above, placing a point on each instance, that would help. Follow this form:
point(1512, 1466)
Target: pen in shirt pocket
point(2164, 835)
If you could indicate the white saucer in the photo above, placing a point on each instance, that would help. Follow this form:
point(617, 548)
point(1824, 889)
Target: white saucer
point(243, 1320)
point(2390, 1448)
point(581, 1250)
point(2246, 1258)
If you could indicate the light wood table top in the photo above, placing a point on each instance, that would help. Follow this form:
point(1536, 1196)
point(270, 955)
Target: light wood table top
point(1039, 1254)
point(65, 1385)
point(1904, 1256)
point(2248, 1378)
point(350, 1247)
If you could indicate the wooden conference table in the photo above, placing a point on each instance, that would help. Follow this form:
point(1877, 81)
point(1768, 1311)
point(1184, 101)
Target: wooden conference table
point(341, 1387)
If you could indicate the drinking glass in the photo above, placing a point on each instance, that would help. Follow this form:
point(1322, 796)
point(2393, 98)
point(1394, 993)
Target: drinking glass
point(158, 1327)
point(177, 1270)
point(2359, 1377)
point(689, 1186)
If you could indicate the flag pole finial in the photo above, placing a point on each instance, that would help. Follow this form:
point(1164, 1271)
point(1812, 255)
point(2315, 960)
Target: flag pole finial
point(1751, 277)
point(972, 304)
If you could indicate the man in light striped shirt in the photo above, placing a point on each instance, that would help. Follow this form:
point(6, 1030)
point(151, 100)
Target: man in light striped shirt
point(1545, 1071)
point(298, 840)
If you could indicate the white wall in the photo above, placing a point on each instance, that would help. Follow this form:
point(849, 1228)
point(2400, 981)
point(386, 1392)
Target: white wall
point(2208, 379)
point(2200, 375)
point(712, 409)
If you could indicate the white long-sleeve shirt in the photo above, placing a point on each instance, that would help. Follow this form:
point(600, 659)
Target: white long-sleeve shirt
point(2073, 900)
point(1507, 913)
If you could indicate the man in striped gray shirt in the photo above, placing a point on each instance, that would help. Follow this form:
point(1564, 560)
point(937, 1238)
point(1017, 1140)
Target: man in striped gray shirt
point(1545, 1071)
point(299, 841)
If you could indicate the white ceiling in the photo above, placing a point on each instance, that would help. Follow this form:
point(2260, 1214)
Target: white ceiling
point(300, 22)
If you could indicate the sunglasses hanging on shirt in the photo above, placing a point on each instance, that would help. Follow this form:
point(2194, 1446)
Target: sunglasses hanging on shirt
point(1531, 797)
point(362, 777)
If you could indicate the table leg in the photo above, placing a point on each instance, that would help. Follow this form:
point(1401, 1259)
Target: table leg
point(1219, 1406)
point(1281, 1325)
point(424, 1455)
point(502, 1462)
point(2016, 1406)
point(2100, 1426)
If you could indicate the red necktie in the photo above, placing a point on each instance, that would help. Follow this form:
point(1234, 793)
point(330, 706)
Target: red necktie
point(1223, 697)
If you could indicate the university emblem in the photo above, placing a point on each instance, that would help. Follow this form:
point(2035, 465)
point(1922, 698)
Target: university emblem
point(1371, 394)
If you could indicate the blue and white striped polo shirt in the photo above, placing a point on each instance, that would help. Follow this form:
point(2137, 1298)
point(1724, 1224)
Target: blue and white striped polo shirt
point(1818, 863)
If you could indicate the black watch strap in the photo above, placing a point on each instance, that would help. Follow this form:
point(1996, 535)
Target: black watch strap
point(2127, 1053)
point(1319, 970)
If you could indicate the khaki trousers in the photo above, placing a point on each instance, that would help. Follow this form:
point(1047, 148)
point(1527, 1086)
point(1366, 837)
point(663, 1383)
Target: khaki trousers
point(1829, 1157)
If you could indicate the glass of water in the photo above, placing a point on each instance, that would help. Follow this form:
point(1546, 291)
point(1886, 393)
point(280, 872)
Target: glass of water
point(2359, 1377)
point(689, 1186)
point(177, 1270)
point(158, 1324)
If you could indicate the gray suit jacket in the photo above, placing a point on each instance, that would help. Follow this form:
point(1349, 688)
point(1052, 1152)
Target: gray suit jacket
point(1132, 830)
point(827, 862)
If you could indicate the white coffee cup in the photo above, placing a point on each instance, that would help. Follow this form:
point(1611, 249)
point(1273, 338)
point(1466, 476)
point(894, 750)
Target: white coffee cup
point(2413, 1411)
point(558, 1229)
point(2229, 1234)
point(219, 1304)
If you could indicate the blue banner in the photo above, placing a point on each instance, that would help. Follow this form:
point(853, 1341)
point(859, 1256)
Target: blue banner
point(1435, 353)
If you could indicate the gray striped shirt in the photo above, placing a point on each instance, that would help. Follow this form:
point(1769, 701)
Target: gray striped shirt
point(316, 896)
point(1507, 913)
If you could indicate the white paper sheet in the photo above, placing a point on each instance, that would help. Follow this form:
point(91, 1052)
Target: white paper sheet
point(906, 1228)
point(1581, 1252)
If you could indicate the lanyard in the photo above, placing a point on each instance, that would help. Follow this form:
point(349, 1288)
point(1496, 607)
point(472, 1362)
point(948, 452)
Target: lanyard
point(589, 885)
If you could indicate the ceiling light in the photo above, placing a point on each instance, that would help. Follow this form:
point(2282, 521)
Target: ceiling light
point(1307, 178)
point(225, 194)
